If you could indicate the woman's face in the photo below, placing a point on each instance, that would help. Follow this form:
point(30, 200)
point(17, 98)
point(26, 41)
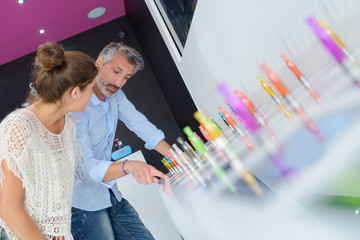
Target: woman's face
point(84, 97)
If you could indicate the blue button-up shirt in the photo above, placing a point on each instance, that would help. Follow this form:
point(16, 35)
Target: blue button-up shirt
point(95, 133)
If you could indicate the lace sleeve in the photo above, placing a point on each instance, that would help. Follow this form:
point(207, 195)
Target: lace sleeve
point(79, 156)
point(15, 132)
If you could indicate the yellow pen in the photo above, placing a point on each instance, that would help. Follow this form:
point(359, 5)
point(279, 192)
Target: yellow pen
point(334, 36)
point(274, 97)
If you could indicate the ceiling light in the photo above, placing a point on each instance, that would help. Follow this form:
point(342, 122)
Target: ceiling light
point(42, 31)
point(20, 1)
point(97, 12)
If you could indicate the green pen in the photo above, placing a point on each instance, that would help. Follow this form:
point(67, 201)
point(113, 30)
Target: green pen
point(201, 149)
point(185, 159)
point(216, 126)
point(190, 152)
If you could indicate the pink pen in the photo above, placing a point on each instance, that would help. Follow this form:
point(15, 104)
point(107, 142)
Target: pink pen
point(239, 108)
point(259, 117)
point(335, 50)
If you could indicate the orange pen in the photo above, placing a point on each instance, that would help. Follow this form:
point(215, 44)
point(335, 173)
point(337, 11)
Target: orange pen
point(280, 86)
point(248, 103)
point(297, 108)
point(275, 80)
point(304, 82)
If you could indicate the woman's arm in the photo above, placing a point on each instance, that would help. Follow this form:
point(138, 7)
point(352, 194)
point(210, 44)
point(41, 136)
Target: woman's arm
point(12, 209)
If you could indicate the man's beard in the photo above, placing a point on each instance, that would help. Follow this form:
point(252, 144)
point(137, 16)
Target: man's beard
point(107, 91)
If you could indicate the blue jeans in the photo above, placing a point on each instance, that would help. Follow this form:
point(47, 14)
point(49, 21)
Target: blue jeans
point(3, 235)
point(120, 221)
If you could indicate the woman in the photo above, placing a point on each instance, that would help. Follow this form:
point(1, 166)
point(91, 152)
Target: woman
point(38, 150)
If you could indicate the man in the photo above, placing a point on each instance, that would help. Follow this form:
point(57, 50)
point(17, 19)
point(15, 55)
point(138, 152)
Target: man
point(99, 211)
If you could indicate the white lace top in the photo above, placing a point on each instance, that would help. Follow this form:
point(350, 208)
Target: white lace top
point(45, 162)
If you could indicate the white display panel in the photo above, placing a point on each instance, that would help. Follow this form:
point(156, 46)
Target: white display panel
point(227, 42)
point(147, 202)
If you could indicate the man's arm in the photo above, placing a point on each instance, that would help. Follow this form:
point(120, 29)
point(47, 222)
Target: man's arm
point(106, 171)
point(143, 128)
point(139, 124)
point(142, 172)
point(162, 147)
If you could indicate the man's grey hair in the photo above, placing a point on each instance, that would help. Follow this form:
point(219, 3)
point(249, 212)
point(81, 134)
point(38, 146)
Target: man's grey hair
point(117, 48)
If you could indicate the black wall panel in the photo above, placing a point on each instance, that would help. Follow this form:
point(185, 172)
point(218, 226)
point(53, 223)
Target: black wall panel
point(162, 64)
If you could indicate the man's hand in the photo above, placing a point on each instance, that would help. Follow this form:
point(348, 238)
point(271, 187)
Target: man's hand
point(143, 172)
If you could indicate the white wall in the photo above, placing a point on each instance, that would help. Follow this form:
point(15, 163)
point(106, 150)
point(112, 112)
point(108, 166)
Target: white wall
point(228, 40)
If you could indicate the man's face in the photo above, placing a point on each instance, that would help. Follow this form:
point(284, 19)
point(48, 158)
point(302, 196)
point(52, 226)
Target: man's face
point(113, 75)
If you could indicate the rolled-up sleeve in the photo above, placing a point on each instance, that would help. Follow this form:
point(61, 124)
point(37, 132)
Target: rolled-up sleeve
point(155, 139)
point(138, 123)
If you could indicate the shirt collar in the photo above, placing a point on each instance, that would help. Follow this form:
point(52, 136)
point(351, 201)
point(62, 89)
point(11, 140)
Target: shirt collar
point(103, 105)
point(94, 99)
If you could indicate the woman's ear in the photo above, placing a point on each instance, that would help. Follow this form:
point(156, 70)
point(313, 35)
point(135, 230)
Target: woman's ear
point(75, 93)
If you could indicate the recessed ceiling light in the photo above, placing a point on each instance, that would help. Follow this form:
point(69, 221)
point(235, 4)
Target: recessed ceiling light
point(97, 12)
point(20, 1)
point(42, 31)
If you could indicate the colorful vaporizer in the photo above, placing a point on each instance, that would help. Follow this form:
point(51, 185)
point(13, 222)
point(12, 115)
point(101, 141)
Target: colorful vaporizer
point(122, 152)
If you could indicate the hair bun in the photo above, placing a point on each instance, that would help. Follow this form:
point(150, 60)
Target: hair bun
point(50, 55)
